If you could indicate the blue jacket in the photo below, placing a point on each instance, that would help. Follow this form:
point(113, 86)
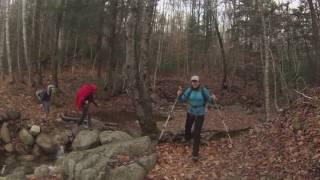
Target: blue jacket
point(196, 100)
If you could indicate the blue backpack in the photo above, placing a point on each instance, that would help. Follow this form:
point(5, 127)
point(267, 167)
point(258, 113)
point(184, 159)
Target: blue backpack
point(201, 88)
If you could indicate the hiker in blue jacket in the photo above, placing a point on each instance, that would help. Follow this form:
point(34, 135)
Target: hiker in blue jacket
point(197, 96)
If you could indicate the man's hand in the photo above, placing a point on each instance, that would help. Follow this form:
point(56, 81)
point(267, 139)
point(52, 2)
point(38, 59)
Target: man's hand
point(179, 93)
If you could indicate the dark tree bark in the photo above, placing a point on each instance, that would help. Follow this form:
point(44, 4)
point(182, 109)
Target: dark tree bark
point(36, 39)
point(112, 70)
point(99, 51)
point(58, 42)
point(315, 39)
point(224, 84)
point(2, 29)
point(135, 55)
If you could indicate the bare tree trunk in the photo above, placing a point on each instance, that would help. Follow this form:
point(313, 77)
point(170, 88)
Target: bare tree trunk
point(2, 29)
point(100, 37)
point(36, 39)
point(316, 38)
point(8, 47)
point(58, 40)
point(224, 84)
point(74, 57)
point(113, 37)
point(18, 39)
point(266, 62)
point(25, 40)
point(137, 89)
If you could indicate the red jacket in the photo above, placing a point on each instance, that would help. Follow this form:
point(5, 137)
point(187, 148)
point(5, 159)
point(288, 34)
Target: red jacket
point(85, 91)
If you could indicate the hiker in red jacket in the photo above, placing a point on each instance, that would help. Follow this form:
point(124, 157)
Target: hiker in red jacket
point(83, 100)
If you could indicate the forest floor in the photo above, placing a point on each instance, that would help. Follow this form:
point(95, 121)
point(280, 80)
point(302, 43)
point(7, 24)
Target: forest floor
point(285, 148)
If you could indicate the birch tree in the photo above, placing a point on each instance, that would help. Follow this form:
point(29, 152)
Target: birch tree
point(266, 61)
point(135, 55)
point(36, 39)
point(58, 41)
point(7, 32)
point(25, 40)
point(2, 29)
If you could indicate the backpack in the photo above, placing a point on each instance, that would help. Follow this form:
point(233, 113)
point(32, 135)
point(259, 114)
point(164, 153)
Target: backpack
point(40, 94)
point(202, 92)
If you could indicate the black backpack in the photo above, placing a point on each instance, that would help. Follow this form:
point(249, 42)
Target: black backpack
point(205, 98)
point(40, 94)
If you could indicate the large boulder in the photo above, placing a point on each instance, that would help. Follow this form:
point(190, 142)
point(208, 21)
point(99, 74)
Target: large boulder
point(13, 114)
point(9, 148)
point(18, 174)
point(26, 137)
point(86, 139)
point(135, 171)
point(42, 172)
point(35, 130)
point(36, 151)
point(26, 158)
point(22, 148)
point(4, 133)
point(63, 138)
point(113, 136)
point(45, 142)
point(100, 163)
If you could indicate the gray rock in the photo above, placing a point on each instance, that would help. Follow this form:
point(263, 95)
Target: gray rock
point(36, 151)
point(45, 142)
point(10, 160)
point(95, 163)
point(62, 138)
point(26, 137)
point(22, 148)
point(132, 172)
point(135, 171)
point(9, 148)
point(42, 172)
point(35, 130)
point(86, 139)
point(113, 136)
point(148, 162)
point(26, 158)
point(4, 133)
point(13, 114)
point(17, 174)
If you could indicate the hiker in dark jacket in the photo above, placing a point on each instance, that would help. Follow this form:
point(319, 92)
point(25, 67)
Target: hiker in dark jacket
point(197, 96)
point(44, 95)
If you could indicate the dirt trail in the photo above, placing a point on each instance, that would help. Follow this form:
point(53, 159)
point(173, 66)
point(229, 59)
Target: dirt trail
point(217, 160)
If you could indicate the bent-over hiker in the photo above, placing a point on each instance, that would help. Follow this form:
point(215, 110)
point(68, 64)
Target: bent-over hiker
point(84, 98)
point(44, 96)
point(197, 96)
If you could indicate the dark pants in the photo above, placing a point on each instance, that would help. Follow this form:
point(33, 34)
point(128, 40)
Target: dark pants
point(85, 113)
point(198, 123)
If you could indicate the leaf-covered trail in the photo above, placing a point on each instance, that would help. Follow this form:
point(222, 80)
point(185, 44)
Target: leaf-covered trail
point(286, 148)
point(217, 161)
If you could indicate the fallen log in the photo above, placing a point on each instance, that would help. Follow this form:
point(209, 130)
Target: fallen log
point(207, 135)
point(73, 117)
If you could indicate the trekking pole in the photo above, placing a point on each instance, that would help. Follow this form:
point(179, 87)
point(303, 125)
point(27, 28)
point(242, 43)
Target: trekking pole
point(225, 125)
point(169, 117)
